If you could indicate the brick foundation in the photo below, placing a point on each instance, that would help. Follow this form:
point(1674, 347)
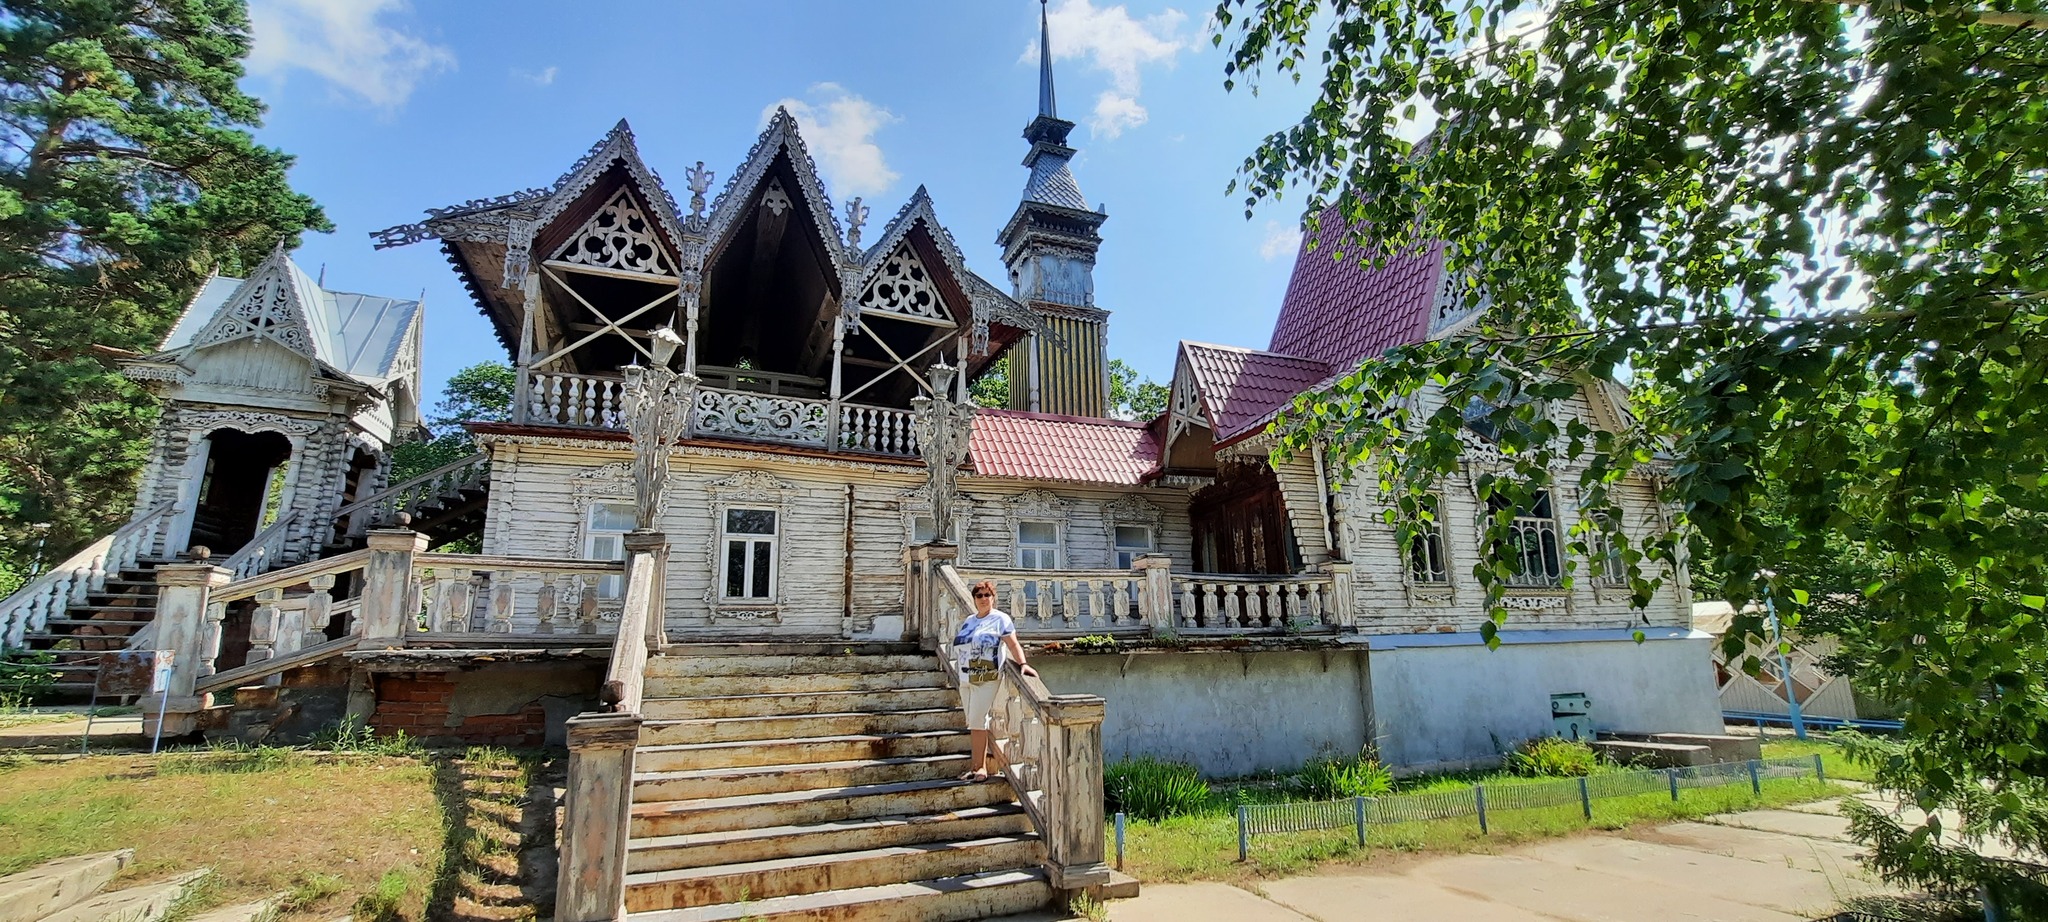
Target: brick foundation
point(496, 707)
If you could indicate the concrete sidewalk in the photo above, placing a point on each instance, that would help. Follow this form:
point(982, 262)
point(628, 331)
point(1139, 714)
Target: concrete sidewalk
point(1785, 865)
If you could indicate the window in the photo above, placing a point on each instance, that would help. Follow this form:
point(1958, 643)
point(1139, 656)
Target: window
point(604, 538)
point(1038, 546)
point(1609, 569)
point(749, 555)
point(1531, 548)
point(1427, 565)
point(1132, 542)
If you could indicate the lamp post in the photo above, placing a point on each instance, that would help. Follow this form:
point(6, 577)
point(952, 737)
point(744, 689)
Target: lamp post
point(657, 404)
point(943, 429)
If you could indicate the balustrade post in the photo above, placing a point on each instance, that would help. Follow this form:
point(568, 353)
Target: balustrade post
point(925, 588)
point(390, 597)
point(183, 596)
point(263, 625)
point(591, 880)
point(319, 609)
point(1072, 769)
point(1155, 592)
point(1343, 603)
point(655, 544)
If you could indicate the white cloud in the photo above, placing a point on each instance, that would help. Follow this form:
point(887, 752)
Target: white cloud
point(1281, 240)
point(347, 43)
point(1110, 40)
point(544, 77)
point(839, 127)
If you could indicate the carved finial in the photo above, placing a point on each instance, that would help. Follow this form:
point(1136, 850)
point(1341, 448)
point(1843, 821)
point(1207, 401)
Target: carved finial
point(202, 553)
point(699, 180)
point(404, 520)
point(856, 215)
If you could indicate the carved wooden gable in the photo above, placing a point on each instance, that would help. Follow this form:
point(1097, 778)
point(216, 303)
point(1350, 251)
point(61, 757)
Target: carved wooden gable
point(267, 306)
point(620, 236)
point(902, 286)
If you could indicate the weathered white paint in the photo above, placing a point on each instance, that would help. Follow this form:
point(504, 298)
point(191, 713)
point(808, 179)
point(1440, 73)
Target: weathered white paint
point(1448, 700)
point(1229, 714)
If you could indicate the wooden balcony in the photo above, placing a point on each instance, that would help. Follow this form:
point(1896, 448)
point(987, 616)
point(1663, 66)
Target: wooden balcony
point(598, 402)
point(1151, 599)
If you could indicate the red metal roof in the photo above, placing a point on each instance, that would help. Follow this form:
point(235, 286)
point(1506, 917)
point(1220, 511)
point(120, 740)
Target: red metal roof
point(1043, 446)
point(1240, 388)
point(1341, 313)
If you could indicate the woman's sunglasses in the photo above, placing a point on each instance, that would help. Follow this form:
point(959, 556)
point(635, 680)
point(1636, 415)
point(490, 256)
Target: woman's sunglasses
point(984, 595)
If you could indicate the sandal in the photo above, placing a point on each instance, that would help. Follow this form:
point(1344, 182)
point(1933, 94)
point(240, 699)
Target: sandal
point(979, 774)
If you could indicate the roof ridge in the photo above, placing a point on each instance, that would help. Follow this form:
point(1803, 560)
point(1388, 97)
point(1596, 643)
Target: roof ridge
point(1061, 418)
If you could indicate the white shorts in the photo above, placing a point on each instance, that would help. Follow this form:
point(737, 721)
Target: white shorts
point(977, 700)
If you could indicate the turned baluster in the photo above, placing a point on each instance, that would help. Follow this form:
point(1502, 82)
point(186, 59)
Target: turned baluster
point(555, 414)
point(501, 602)
point(438, 614)
point(319, 609)
point(209, 645)
point(1316, 609)
point(1044, 589)
point(1187, 605)
point(263, 625)
point(536, 398)
point(586, 608)
point(1233, 601)
point(544, 606)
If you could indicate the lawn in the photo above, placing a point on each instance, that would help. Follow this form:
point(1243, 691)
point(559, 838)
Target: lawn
point(1832, 759)
point(407, 837)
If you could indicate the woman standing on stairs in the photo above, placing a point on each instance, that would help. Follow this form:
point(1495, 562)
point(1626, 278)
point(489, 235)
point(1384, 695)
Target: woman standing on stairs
point(981, 647)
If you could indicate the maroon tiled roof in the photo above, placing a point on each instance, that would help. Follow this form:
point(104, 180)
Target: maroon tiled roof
point(1341, 313)
point(1240, 388)
point(1042, 446)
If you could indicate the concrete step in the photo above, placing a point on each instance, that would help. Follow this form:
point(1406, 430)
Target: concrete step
point(147, 903)
point(783, 665)
point(820, 805)
point(729, 729)
point(1653, 755)
point(762, 843)
point(1725, 748)
point(716, 686)
point(259, 911)
point(650, 787)
point(690, 756)
point(772, 705)
point(53, 885)
point(763, 880)
point(952, 899)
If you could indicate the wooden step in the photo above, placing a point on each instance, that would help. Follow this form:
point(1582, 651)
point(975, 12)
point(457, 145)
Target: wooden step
point(777, 877)
point(717, 686)
point(813, 806)
point(649, 787)
point(954, 899)
point(762, 843)
point(689, 649)
point(793, 703)
point(794, 751)
point(798, 726)
point(96, 622)
point(783, 664)
point(112, 631)
point(143, 606)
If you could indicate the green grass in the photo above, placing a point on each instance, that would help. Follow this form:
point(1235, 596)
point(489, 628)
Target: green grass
point(1204, 847)
point(1832, 759)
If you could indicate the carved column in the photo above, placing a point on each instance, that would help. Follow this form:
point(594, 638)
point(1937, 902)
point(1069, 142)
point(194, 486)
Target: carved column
point(1073, 767)
point(183, 595)
point(597, 820)
point(1344, 595)
point(1156, 592)
point(390, 598)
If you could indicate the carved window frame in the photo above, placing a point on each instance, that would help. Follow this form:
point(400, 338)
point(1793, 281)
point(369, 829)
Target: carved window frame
point(749, 489)
point(1131, 511)
point(1039, 507)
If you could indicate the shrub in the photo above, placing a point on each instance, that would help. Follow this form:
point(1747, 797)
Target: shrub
point(1550, 757)
point(1153, 789)
point(25, 675)
point(1333, 778)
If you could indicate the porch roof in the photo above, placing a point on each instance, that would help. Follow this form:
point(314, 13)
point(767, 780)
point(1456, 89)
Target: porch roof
point(1076, 449)
point(1241, 388)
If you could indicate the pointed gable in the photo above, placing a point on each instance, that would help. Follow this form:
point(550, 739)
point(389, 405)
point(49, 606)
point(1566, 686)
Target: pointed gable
point(779, 142)
point(914, 269)
point(1241, 389)
point(275, 303)
point(366, 337)
point(621, 237)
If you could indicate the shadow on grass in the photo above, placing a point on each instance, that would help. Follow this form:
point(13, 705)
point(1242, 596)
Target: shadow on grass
point(498, 838)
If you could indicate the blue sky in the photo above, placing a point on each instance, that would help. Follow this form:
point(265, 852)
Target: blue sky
point(392, 108)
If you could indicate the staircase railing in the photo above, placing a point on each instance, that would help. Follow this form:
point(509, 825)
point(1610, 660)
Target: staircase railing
point(357, 518)
point(262, 551)
point(597, 821)
point(1048, 746)
point(31, 607)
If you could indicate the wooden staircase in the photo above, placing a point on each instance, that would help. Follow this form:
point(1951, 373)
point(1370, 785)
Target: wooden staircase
point(817, 781)
point(124, 604)
point(444, 503)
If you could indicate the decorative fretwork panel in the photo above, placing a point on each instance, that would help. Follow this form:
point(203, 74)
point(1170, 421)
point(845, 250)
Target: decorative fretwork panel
point(759, 416)
point(902, 285)
point(265, 311)
point(620, 236)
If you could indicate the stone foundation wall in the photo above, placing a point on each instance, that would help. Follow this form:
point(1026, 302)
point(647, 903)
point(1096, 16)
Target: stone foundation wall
point(515, 705)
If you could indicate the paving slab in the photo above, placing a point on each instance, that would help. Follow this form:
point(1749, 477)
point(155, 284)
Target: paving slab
point(1807, 893)
point(146, 903)
point(1386, 896)
point(1769, 848)
point(1789, 822)
point(1183, 902)
point(1584, 896)
point(53, 885)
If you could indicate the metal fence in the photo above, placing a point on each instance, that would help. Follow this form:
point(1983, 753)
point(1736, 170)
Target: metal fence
point(1478, 800)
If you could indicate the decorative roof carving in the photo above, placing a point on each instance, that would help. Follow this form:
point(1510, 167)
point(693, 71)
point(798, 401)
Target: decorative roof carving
point(619, 236)
point(902, 285)
point(756, 485)
point(1132, 509)
point(781, 133)
point(1038, 504)
point(266, 306)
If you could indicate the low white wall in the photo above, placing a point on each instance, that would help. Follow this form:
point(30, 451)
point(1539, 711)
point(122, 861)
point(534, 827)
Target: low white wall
point(1227, 713)
point(1447, 700)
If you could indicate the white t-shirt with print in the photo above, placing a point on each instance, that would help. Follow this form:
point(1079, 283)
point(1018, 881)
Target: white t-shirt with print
point(978, 647)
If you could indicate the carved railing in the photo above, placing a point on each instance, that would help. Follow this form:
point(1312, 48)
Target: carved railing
point(1258, 604)
point(408, 496)
point(761, 417)
point(590, 883)
point(29, 609)
point(1069, 603)
point(1048, 746)
point(293, 609)
point(877, 429)
point(479, 594)
point(562, 399)
point(264, 551)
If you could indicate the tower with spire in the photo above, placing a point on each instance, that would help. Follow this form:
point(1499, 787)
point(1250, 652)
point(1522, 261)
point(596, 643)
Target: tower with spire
point(1049, 246)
